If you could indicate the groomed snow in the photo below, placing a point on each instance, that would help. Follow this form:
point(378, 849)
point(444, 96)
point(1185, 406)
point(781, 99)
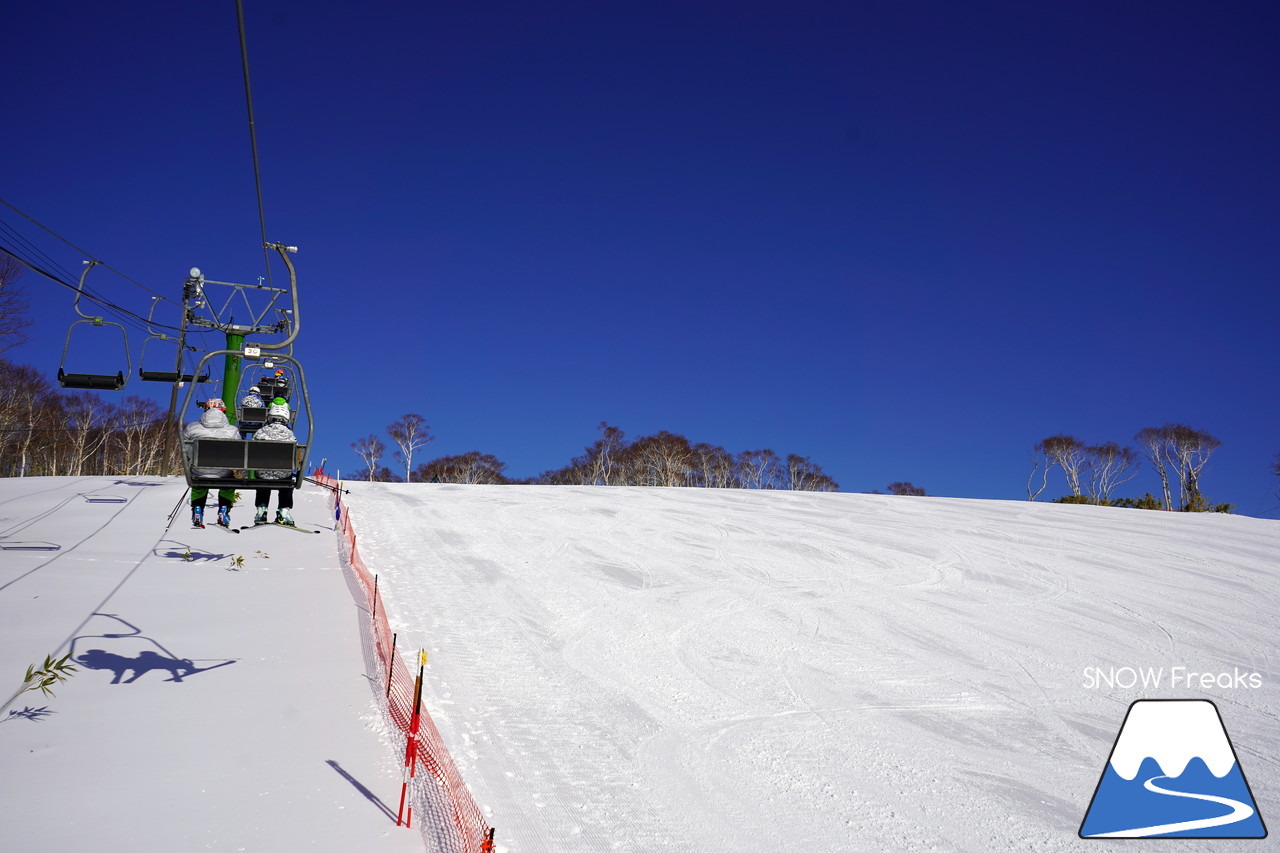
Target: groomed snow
point(617, 669)
point(275, 745)
point(703, 670)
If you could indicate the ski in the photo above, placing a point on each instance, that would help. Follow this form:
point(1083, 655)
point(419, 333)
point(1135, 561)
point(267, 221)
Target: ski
point(214, 526)
point(277, 524)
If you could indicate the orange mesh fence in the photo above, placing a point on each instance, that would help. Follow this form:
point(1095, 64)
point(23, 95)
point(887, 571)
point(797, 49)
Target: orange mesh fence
point(448, 814)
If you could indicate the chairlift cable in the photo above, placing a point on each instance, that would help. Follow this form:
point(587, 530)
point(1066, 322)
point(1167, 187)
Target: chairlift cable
point(21, 246)
point(81, 251)
point(135, 320)
point(253, 136)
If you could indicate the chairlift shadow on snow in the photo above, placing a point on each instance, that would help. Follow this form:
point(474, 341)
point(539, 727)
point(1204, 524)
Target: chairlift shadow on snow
point(139, 664)
point(6, 545)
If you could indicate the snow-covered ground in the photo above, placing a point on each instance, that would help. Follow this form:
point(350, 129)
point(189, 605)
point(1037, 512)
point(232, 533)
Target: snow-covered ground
point(269, 740)
point(619, 669)
point(704, 670)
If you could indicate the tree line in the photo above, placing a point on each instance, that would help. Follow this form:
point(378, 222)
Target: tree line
point(662, 459)
point(1093, 472)
point(45, 431)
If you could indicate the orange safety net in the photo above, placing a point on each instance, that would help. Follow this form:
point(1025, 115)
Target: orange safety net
point(447, 811)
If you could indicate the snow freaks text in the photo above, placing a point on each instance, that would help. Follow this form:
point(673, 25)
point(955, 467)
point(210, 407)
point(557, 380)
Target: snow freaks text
point(1175, 677)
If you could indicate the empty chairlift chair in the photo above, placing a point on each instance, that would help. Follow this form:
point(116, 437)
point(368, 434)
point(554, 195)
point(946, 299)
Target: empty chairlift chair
point(170, 376)
point(92, 381)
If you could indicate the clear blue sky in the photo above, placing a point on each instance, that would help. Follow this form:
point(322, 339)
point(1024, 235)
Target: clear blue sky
point(906, 239)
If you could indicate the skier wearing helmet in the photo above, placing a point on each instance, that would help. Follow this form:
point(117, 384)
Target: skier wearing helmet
point(249, 404)
point(212, 424)
point(276, 429)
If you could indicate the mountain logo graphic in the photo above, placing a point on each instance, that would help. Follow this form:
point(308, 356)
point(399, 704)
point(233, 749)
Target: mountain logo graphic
point(1172, 773)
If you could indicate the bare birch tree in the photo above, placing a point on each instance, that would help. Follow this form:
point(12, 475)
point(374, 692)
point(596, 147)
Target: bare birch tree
point(1108, 466)
point(758, 468)
point(604, 455)
point(1068, 453)
point(1042, 465)
point(1155, 444)
point(805, 475)
point(409, 433)
point(370, 450)
point(472, 468)
point(1190, 450)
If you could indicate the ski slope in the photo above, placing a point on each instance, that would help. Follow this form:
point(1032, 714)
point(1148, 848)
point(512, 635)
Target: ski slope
point(691, 670)
point(272, 743)
point(616, 668)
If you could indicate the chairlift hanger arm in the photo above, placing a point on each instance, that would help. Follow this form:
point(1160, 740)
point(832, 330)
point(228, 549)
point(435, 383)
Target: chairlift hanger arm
point(88, 265)
point(296, 323)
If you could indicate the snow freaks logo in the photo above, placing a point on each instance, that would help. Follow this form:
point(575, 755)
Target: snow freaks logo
point(1172, 773)
point(1152, 677)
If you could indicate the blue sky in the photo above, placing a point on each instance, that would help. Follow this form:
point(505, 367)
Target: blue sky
point(906, 239)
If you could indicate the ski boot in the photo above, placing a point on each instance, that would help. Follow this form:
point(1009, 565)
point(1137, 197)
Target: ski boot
point(224, 516)
point(261, 516)
point(197, 516)
point(283, 516)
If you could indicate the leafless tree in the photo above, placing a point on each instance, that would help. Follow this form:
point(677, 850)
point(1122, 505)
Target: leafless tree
point(474, 468)
point(901, 488)
point(1108, 466)
point(604, 455)
point(409, 433)
point(13, 303)
point(87, 416)
point(758, 469)
point(805, 475)
point(370, 450)
point(1042, 465)
point(1156, 444)
point(26, 406)
point(138, 434)
point(1067, 452)
point(1190, 451)
point(662, 459)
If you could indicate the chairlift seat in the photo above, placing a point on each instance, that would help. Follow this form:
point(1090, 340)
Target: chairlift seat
point(251, 415)
point(246, 455)
point(169, 376)
point(270, 388)
point(91, 381)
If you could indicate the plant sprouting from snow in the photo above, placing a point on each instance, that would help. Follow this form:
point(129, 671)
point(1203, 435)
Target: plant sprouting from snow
point(50, 673)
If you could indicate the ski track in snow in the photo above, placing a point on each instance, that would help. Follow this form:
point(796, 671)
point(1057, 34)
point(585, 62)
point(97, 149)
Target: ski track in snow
point(665, 669)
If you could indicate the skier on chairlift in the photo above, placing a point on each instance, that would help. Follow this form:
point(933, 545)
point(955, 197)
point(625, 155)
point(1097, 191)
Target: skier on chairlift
point(276, 429)
point(212, 424)
point(252, 398)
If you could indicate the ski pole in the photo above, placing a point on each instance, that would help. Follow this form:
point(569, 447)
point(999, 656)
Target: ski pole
point(174, 513)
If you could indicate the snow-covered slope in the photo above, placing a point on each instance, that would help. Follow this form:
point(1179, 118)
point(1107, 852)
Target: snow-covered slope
point(216, 707)
point(620, 669)
point(666, 669)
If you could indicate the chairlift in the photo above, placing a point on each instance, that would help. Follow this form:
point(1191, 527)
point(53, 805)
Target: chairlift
point(170, 376)
point(92, 381)
point(243, 456)
point(272, 380)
